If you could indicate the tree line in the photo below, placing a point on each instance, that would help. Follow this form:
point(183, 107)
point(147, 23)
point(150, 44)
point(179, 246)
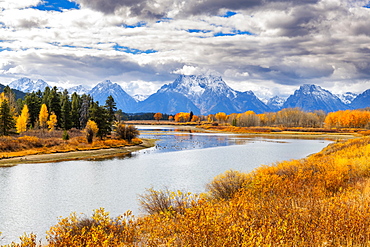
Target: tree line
point(288, 117)
point(52, 109)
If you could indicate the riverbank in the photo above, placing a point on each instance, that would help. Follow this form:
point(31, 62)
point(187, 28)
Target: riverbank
point(78, 155)
point(267, 132)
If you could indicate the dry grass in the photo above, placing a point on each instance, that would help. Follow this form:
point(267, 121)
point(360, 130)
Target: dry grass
point(45, 142)
point(323, 200)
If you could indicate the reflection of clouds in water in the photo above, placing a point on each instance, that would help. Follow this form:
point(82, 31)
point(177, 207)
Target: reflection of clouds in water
point(170, 140)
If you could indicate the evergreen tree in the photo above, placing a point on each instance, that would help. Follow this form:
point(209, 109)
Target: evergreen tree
point(191, 115)
point(111, 108)
point(33, 101)
point(66, 111)
point(7, 122)
point(75, 111)
point(54, 103)
point(19, 105)
point(86, 101)
point(45, 96)
point(99, 114)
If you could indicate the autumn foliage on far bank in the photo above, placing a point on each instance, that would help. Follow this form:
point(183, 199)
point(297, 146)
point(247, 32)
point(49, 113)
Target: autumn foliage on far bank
point(37, 142)
point(322, 200)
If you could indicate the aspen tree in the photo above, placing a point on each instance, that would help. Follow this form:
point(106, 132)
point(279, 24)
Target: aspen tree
point(43, 116)
point(23, 120)
point(52, 121)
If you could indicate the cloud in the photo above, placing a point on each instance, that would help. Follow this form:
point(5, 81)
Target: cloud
point(177, 8)
point(11, 4)
point(263, 44)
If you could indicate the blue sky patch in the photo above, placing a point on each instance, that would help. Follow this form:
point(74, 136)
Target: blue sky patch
point(4, 49)
point(165, 19)
point(233, 33)
point(228, 14)
point(367, 5)
point(139, 24)
point(56, 5)
point(198, 31)
point(132, 50)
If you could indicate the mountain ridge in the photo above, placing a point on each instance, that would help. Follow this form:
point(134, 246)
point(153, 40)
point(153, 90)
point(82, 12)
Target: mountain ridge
point(209, 94)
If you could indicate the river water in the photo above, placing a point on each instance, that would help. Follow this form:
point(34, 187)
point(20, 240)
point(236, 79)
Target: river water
point(33, 196)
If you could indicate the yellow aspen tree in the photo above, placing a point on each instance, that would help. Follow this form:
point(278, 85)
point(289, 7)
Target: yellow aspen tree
point(43, 116)
point(22, 120)
point(221, 117)
point(52, 121)
point(90, 130)
point(158, 116)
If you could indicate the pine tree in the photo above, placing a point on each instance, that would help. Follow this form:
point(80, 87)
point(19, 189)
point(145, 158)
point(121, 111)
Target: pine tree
point(54, 103)
point(45, 96)
point(33, 101)
point(22, 120)
point(111, 107)
point(75, 111)
point(99, 114)
point(86, 101)
point(66, 116)
point(7, 122)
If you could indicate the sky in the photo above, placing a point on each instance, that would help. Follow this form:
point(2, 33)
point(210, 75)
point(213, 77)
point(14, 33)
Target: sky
point(268, 46)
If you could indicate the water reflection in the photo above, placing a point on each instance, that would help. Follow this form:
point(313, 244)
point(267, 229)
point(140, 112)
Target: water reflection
point(176, 139)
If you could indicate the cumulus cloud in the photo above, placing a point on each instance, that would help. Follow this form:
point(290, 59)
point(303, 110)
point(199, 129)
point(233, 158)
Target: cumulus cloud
point(274, 44)
point(172, 8)
point(11, 4)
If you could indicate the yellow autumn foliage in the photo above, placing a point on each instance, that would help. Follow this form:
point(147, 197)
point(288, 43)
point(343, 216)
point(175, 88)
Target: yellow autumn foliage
point(43, 116)
point(22, 120)
point(52, 121)
point(323, 200)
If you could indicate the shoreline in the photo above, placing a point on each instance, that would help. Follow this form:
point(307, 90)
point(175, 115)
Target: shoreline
point(97, 154)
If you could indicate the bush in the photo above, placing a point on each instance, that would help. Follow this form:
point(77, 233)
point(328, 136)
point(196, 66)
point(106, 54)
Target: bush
point(127, 132)
point(164, 201)
point(99, 230)
point(65, 136)
point(91, 130)
point(225, 186)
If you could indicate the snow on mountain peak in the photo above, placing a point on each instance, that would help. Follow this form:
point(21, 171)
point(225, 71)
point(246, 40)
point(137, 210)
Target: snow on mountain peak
point(26, 85)
point(194, 86)
point(347, 97)
point(80, 90)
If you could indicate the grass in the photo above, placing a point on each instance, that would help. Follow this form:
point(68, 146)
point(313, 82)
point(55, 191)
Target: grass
point(44, 142)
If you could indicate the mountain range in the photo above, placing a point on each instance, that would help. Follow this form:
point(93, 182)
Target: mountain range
point(208, 94)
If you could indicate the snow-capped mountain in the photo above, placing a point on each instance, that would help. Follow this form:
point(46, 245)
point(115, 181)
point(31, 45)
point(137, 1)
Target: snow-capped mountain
point(167, 102)
point(209, 94)
point(276, 103)
point(27, 85)
point(362, 100)
point(18, 94)
point(347, 97)
point(140, 97)
point(80, 90)
point(103, 89)
point(312, 97)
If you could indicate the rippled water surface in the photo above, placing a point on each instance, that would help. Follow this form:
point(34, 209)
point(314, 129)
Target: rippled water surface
point(33, 196)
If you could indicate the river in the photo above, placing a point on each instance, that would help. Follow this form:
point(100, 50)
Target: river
point(33, 196)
